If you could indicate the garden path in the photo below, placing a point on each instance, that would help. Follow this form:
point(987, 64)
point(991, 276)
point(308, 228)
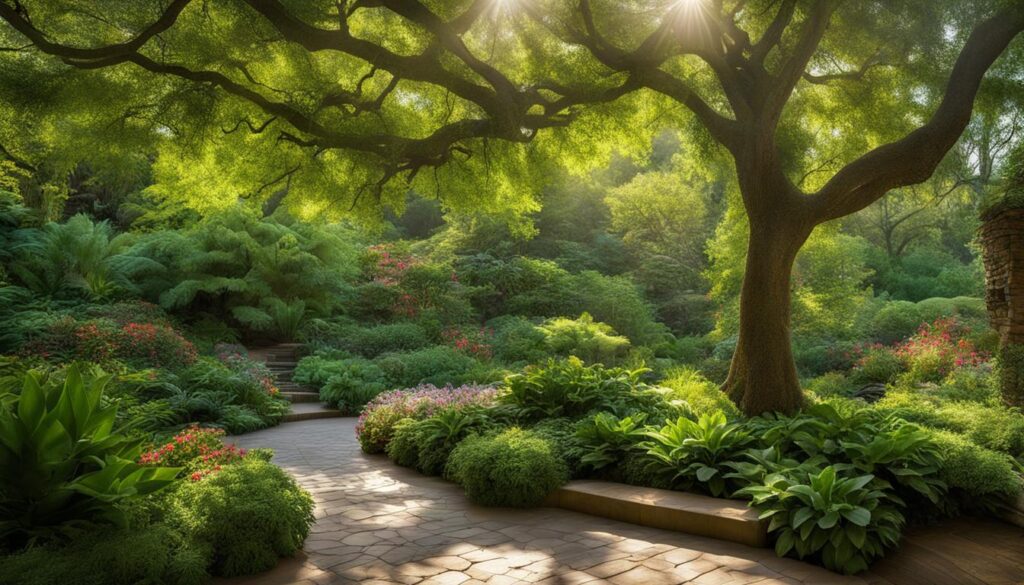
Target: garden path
point(379, 523)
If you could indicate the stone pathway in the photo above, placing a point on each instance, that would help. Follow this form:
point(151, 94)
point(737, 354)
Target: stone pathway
point(379, 523)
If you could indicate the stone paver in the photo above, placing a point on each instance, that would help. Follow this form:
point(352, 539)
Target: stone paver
point(379, 523)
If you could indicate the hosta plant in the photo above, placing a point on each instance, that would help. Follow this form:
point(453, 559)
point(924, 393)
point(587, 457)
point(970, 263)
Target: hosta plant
point(845, 522)
point(569, 388)
point(692, 455)
point(605, 439)
point(61, 462)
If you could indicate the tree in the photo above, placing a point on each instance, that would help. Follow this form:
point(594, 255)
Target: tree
point(360, 99)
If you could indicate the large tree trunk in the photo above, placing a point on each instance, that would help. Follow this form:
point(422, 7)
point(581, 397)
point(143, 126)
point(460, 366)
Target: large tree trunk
point(763, 375)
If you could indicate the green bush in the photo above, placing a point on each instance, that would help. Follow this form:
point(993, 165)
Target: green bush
point(247, 515)
point(61, 462)
point(584, 338)
point(515, 468)
point(371, 342)
point(994, 427)
point(967, 308)
point(571, 389)
point(517, 340)
point(878, 366)
point(358, 382)
point(831, 385)
point(404, 446)
point(693, 455)
point(977, 473)
point(702, 395)
point(315, 370)
point(846, 522)
point(897, 320)
point(560, 433)
point(433, 365)
point(154, 554)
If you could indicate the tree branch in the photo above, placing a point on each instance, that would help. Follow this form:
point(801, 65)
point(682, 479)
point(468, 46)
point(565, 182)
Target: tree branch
point(913, 158)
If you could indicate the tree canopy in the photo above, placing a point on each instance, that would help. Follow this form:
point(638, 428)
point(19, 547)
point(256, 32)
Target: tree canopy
point(350, 103)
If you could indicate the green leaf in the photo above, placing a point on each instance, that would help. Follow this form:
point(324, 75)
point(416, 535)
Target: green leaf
point(858, 516)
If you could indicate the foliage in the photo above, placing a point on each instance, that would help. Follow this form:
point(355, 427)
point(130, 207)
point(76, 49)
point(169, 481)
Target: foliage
point(605, 440)
point(517, 340)
point(265, 273)
point(937, 349)
point(570, 388)
point(513, 468)
point(151, 554)
point(247, 516)
point(878, 365)
point(846, 521)
point(199, 451)
point(373, 341)
point(358, 382)
point(427, 443)
point(141, 344)
point(584, 338)
point(976, 473)
point(62, 461)
point(379, 418)
point(690, 455)
point(701, 395)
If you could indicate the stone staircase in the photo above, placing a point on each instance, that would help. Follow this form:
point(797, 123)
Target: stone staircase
point(281, 359)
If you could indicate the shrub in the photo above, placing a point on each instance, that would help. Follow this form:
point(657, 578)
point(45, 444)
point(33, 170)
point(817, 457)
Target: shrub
point(570, 388)
point(966, 308)
point(359, 382)
point(937, 349)
point(247, 515)
point(514, 468)
point(426, 444)
point(100, 340)
point(690, 455)
point(61, 462)
point(471, 341)
point(200, 451)
point(897, 320)
point(404, 446)
point(847, 522)
point(560, 433)
point(831, 385)
point(517, 339)
point(371, 342)
point(584, 338)
point(154, 554)
point(378, 420)
point(975, 472)
point(879, 365)
point(691, 349)
point(702, 395)
point(433, 365)
point(237, 394)
point(315, 370)
point(604, 441)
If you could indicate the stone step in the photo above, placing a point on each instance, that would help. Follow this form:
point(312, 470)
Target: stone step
point(301, 396)
point(294, 387)
point(281, 365)
point(310, 411)
point(670, 510)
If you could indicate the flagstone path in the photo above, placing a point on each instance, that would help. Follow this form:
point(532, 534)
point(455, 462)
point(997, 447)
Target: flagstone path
point(379, 523)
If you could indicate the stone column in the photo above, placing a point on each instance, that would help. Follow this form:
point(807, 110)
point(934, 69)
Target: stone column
point(1002, 240)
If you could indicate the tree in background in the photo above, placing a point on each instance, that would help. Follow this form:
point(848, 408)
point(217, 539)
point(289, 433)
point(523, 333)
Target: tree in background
point(353, 102)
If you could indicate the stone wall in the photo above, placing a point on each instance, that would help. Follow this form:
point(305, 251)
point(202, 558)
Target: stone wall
point(1002, 240)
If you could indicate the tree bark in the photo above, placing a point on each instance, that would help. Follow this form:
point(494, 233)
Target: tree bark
point(763, 376)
